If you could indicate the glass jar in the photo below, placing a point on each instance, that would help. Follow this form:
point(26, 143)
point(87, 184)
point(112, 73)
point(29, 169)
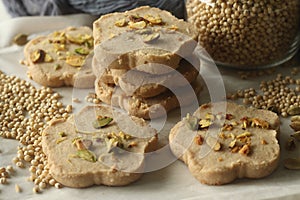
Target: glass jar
point(247, 34)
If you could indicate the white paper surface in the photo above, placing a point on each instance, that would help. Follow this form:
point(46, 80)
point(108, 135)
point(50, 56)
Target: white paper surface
point(172, 182)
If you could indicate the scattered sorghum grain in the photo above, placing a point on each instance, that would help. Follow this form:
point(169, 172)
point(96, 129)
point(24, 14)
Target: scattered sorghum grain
point(25, 111)
point(278, 95)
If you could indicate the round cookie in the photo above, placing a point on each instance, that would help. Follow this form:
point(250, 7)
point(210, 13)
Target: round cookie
point(57, 59)
point(145, 85)
point(220, 147)
point(107, 155)
point(148, 108)
point(140, 36)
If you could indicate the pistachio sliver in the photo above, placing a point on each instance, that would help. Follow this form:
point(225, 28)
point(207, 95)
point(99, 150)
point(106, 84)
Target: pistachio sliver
point(153, 20)
point(82, 51)
point(56, 67)
point(59, 140)
point(173, 27)
point(37, 56)
point(101, 122)
point(192, 122)
point(144, 31)
point(75, 60)
point(151, 37)
point(243, 135)
point(204, 123)
point(292, 163)
point(121, 22)
point(213, 143)
point(86, 155)
point(137, 25)
point(232, 144)
point(20, 39)
point(48, 58)
point(62, 134)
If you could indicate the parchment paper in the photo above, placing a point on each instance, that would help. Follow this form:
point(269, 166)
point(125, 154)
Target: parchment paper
point(172, 182)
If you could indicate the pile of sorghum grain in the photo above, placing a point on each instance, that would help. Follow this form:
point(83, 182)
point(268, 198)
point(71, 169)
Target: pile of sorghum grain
point(278, 95)
point(25, 111)
point(246, 33)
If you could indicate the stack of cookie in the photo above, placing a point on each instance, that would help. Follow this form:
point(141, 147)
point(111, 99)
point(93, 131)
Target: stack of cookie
point(143, 61)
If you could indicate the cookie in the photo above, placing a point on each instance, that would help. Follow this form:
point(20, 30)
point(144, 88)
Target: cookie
point(86, 150)
point(57, 59)
point(153, 107)
point(223, 146)
point(151, 68)
point(145, 85)
point(140, 36)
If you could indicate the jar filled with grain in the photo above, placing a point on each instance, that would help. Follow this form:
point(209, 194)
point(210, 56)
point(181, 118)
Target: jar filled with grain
point(247, 34)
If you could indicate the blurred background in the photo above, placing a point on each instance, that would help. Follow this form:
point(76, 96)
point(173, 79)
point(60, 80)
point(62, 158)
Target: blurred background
point(3, 13)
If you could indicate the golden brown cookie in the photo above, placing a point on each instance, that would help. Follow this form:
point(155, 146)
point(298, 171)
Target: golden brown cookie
point(90, 148)
point(223, 146)
point(58, 59)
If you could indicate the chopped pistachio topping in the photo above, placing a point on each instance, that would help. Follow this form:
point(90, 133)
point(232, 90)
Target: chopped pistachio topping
point(101, 122)
point(132, 144)
point(86, 155)
point(245, 150)
point(192, 122)
point(254, 122)
point(153, 20)
point(59, 47)
point(59, 140)
point(57, 67)
point(243, 135)
point(82, 51)
point(80, 145)
point(58, 38)
point(151, 37)
point(48, 58)
point(209, 116)
point(121, 23)
point(136, 18)
point(145, 31)
point(173, 27)
point(137, 25)
point(20, 39)
point(214, 143)
point(117, 140)
point(204, 123)
point(263, 142)
point(75, 139)
point(80, 38)
point(75, 60)
point(62, 134)
point(232, 144)
point(37, 56)
point(198, 139)
point(227, 127)
point(229, 116)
